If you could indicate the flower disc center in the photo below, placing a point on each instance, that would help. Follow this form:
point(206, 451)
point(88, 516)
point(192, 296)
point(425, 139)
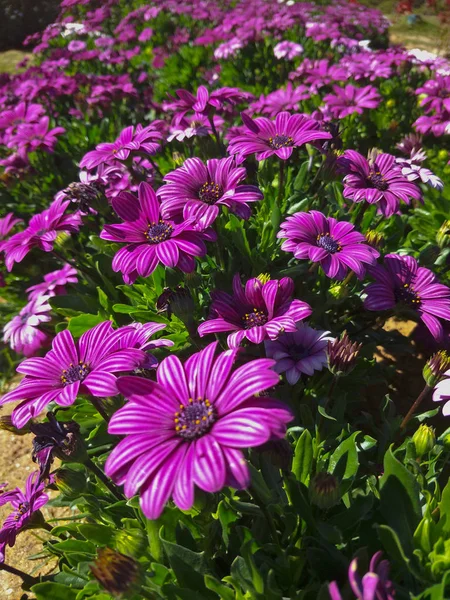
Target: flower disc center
point(280, 141)
point(210, 192)
point(254, 319)
point(407, 295)
point(194, 419)
point(328, 243)
point(158, 232)
point(74, 373)
point(376, 179)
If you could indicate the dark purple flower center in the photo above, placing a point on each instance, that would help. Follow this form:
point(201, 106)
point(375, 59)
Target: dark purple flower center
point(254, 319)
point(74, 373)
point(41, 231)
point(407, 295)
point(297, 352)
point(23, 508)
point(280, 141)
point(328, 243)
point(194, 419)
point(210, 192)
point(376, 179)
point(24, 317)
point(158, 232)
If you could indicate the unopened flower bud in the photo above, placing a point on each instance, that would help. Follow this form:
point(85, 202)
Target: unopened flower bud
point(424, 439)
point(390, 103)
point(324, 490)
point(443, 235)
point(342, 355)
point(131, 542)
point(71, 483)
point(338, 291)
point(435, 368)
point(178, 159)
point(178, 302)
point(117, 573)
point(443, 155)
point(85, 195)
point(7, 425)
point(375, 239)
point(263, 277)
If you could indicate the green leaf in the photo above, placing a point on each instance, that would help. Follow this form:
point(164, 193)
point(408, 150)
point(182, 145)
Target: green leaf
point(97, 534)
point(399, 504)
point(444, 509)
point(301, 176)
point(82, 323)
point(223, 591)
point(324, 413)
point(344, 461)
point(78, 546)
point(189, 567)
point(53, 591)
point(303, 457)
point(395, 549)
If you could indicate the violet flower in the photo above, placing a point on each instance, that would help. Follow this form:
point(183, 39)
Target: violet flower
point(335, 245)
point(41, 232)
point(377, 181)
point(287, 50)
point(36, 135)
point(138, 337)
point(54, 283)
point(203, 100)
point(350, 99)
point(196, 191)
point(266, 138)
point(25, 506)
point(151, 239)
point(257, 312)
point(413, 170)
point(22, 333)
point(145, 139)
point(300, 351)
point(374, 585)
point(6, 224)
point(69, 368)
point(400, 281)
point(189, 428)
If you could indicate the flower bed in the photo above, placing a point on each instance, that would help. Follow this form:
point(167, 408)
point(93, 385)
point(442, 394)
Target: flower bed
point(212, 214)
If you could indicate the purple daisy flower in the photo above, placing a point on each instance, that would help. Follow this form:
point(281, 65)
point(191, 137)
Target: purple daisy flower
point(144, 138)
point(257, 312)
point(266, 138)
point(350, 99)
point(6, 224)
point(69, 368)
point(190, 427)
point(36, 135)
point(300, 351)
point(23, 333)
point(151, 239)
point(41, 232)
point(374, 585)
point(378, 180)
point(286, 49)
point(25, 504)
point(196, 191)
point(400, 281)
point(335, 245)
point(54, 283)
point(138, 337)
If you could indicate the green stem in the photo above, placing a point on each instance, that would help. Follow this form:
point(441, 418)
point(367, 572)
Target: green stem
point(216, 136)
point(280, 183)
point(267, 515)
point(100, 408)
point(325, 406)
point(104, 479)
point(423, 394)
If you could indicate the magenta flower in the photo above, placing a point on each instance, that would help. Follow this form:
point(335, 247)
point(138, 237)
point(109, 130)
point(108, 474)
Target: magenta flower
point(35, 135)
point(400, 281)
point(145, 139)
point(6, 224)
point(300, 351)
point(69, 368)
point(436, 93)
point(25, 506)
point(203, 100)
point(189, 428)
point(413, 170)
point(287, 50)
point(138, 337)
point(149, 238)
point(22, 113)
point(257, 312)
point(375, 585)
point(196, 191)
point(350, 99)
point(41, 232)
point(283, 99)
point(377, 181)
point(22, 333)
point(335, 245)
point(54, 283)
point(266, 138)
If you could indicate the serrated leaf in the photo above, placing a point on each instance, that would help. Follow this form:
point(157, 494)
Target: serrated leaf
point(344, 461)
point(303, 457)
